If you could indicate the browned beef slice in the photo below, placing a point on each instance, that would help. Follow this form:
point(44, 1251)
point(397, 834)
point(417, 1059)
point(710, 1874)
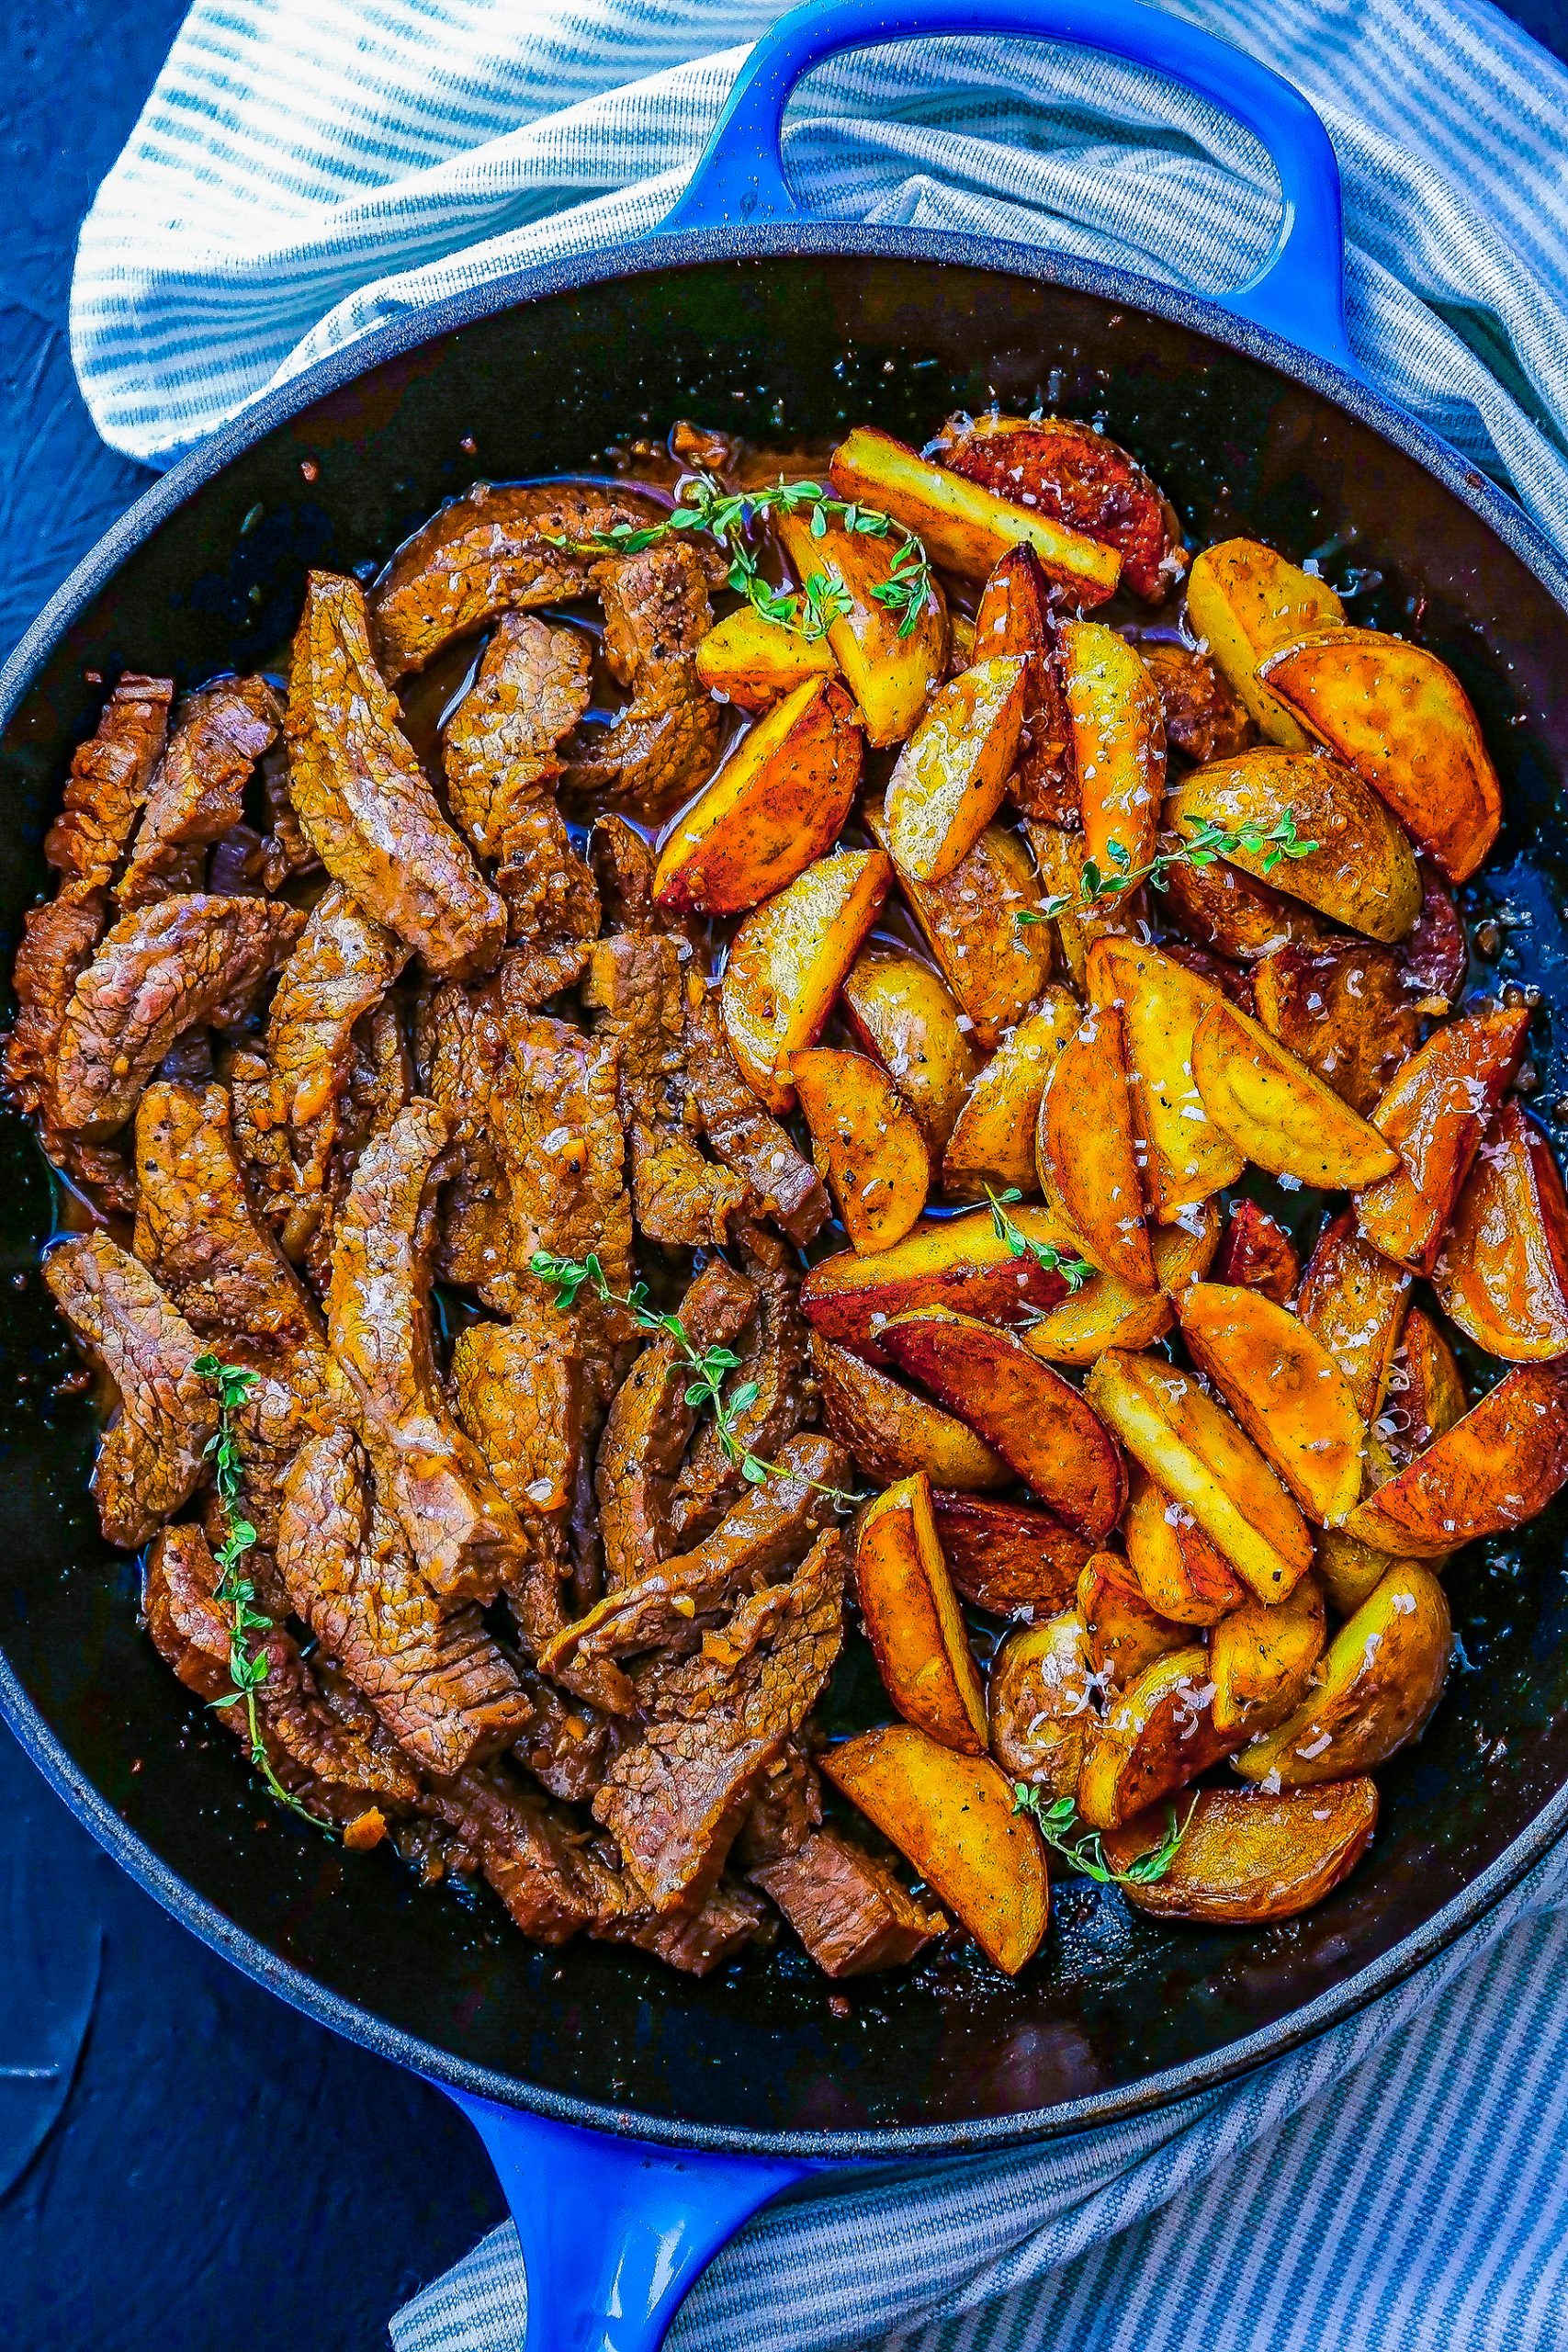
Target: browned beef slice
point(849, 1910)
point(363, 799)
point(57, 946)
point(438, 1682)
point(637, 986)
point(198, 791)
point(623, 866)
point(699, 1938)
point(552, 903)
point(109, 776)
point(460, 1048)
point(294, 1396)
point(786, 1810)
point(536, 1859)
point(462, 1534)
point(532, 688)
point(518, 1391)
point(159, 971)
point(675, 1802)
point(490, 551)
point(152, 1455)
point(743, 1134)
point(284, 850)
point(569, 1746)
point(343, 963)
point(1203, 716)
point(197, 1231)
point(380, 1085)
point(776, 1360)
point(650, 1424)
point(665, 742)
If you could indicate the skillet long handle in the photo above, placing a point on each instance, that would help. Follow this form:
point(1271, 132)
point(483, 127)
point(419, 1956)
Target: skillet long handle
point(1298, 292)
point(614, 2232)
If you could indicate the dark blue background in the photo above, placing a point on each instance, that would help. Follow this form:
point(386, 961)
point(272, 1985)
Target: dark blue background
point(224, 2172)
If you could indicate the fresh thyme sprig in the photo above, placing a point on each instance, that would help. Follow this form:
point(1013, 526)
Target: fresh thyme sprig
point(710, 1367)
point(702, 503)
point(1055, 1819)
point(1074, 1272)
point(234, 1592)
point(1209, 842)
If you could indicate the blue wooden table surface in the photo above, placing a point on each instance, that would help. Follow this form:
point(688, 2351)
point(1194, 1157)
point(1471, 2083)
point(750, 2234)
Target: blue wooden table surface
point(184, 2163)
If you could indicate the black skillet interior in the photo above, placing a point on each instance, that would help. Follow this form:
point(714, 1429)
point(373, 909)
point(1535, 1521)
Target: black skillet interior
point(784, 347)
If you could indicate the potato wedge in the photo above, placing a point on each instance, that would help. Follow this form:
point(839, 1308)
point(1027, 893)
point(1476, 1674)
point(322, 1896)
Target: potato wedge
point(1059, 1447)
point(1346, 1568)
point(1355, 1299)
point(1039, 1706)
point(1231, 914)
point(1106, 1313)
point(912, 1618)
point(1435, 1114)
point(995, 967)
point(964, 526)
point(1342, 1008)
point(1245, 1857)
point(778, 802)
point(1161, 1003)
point(1261, 1657)
point(1278, 1113)
point(1242, 601)
point(1283, 1387)
point(1502, 1273)
point(788, 960)
point(890, 675)
point(953, 1816)
point(1056, 465)
point(752, 663)
point(891, 1433)
point(1425, 1393)
point(1086, 1152)
point(1121, 1633)
point(1014, 616)
point(866, 1142)
point(1118, 739)
point(1006, 1558)
point(1362, 871)
point(1257, 1252)
point(1180, 1573)
point(959, 1261)
point(1498, 1466)
point(1191, 1447)
point(1399, 717)
point(949, 779)
point(1059, 856)
point(992, 1141)
point(1160, 1734)
point(1377, 1684)
point(904, 1013)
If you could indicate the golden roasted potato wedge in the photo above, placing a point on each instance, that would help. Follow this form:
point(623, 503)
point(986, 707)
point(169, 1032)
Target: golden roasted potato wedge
point(1360, 871)
point(1006, 1558)
point(1086, 1152)
point(1376, 1686)
point(1261, 1657)
point(1053, 465)
point(959, 1261)
point(1160, 1734)
point(1498, 1466)
point(951, 772)
point(1425, 1395)
point(904, 1013)
point(889, 673)
point(1434, 1112)
point(1121, 1633)
point(788, 960)
point(1355, 1299)
point(867, 1142)
point(1014, 616)
point(1283, 1387)
point(1246, 1858)
point(964, 526)
point(1231, 914)
point(1242, 601)
point(1191, 1447)
point(1346, 1568)
point(778, 802)
point(891, 1433)
point(1118, 738)
point(1342, 1008)
point(1503, 1274)
point(752, 663)
point(1106, 1313)
point(1059, 856)
point(1161, 1003)
point(1255, 1252)
point(1060, 1448)
point(1180, 1573)
point(1399, 717)
point(995, 967)
point(992, 1141)
point(912, 1618)
point(953, 1816)
point(1278, 1113)
point(1038, 1701)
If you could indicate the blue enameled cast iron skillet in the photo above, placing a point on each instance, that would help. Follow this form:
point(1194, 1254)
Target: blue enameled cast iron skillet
point(637, 2118)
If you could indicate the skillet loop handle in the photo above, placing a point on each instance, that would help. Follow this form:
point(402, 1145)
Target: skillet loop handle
point(614, 2232)
point(1298, 292)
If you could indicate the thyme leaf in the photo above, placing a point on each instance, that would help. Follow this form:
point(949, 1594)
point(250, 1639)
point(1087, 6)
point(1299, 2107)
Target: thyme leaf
point(1057, 1820)
point(1097, 889)
point(1074, 1272)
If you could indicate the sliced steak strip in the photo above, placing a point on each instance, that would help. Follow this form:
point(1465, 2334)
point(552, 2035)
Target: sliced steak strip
point(623, 866)
point(552, 904)
point(569, 1746)
point(57, 946)
point(518, 1392)
point(698, 1937)
point(666, 741)
point(291, 1399)
point(107, 786)
point(199, 790)
point(460, 1048)
point(533, 687)
point(343, 963)
point(775, 1360)
point(851, 1910)
point(783, 1182)
point(197, 1229)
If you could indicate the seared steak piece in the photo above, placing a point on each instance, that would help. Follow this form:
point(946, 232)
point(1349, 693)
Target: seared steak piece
point(569, 1746)
point(197, 792)
point(343, 963)
point(381, 1084)
point(699, 1938)
point(109, 777)
point(783, 1182)
point(665, 742)
point(197, 1231)
point(518, 1392)
point(363, 799)
point(623, 866)
point(533, 687)
point(786, 1810)
point(775, 1360)
point(675, 1802)
point(552, 904)
point(291, 1399)
point(462, 1534)
point(159, 971)
point(851, 1910)
point(57, 946)
point(153, 1453)
point(460, 1049)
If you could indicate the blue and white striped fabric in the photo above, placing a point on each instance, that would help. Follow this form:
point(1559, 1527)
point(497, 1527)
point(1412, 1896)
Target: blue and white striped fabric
point(308, 169)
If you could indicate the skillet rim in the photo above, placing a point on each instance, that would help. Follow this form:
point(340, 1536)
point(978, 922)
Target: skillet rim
point(796, 240)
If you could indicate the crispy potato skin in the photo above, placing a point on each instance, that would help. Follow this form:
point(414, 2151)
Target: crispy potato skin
point(891, 1433)
point(1179, 1572)
point(961, 1261)
point(867, 1142)
point(1434, 1112)
point(752, 663)
point(992, 1138)
point(964, 524)
point(1355, 1299)
point(787, 961)
point(1242, 601)
point(1283, 1387)
point(1278, 1113)
point(1230, 913)
point(1118, 739)
point(1426, 1390)
point(1262, 1659)
point(1059, 856)
point(912, 1618)
point(1121, 1634)
point(1257, 1252)
point(1006, 1558)
point(1014, 616)
point(1086, 1152)
point(1161, 1003)
point(904, 1013)
point(890, 676)
point(1497, 1467)
point(1344, 1010)
point(776, 805)
point(1375, 1688)
point(1108, 1313)
point(995, 967)
point(1058, 466)
point(950, 775)
point(1247, 1858)
point(1361, 870)
point(1159, 1735)
point(1502, 1272)
point(1038, 1702)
